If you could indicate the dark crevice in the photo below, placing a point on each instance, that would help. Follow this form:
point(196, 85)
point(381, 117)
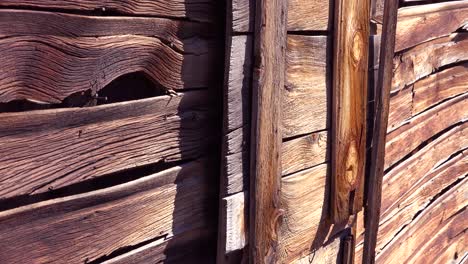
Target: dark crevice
point(419, 3)
point(422, 145)
point(286, 139)
point(301, 170)
point(89, 185)
point(125, 249)
point(128, 87)
point(450, 158)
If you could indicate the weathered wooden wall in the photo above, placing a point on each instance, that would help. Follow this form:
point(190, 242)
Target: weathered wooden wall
point(423, 210)
point(108, 118)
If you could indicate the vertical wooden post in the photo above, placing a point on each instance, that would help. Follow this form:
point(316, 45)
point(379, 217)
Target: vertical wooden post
point(382, 101)
point(349, 104)
point(269, 74)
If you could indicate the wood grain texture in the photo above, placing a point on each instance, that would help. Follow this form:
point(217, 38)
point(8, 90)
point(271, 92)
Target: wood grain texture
point(266, 138)
point(445, 219)
point(50, 149)
point(176, 33)
point(327, 254)
point(308, 84)
point(203, 10)
point(423, 59)
point(401, 108)
point(417, 24)
point(375, 174)
point(49, 68)
point(235, 221)
point(304, 152)
point(303, 15)
point(302, 199)
point(83, 227)
point(349, 107)
point(422, 127)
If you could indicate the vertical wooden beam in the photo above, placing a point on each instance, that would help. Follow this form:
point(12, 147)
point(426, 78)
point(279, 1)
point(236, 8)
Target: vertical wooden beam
point(382, 101)
point(269, 74)
point(349, 104)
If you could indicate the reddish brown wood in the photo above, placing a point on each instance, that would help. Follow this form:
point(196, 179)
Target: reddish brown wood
point(382, 98)
point(269, 75)
point(349, 104)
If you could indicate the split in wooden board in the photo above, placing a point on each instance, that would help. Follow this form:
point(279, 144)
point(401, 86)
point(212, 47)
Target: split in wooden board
point(90, 225)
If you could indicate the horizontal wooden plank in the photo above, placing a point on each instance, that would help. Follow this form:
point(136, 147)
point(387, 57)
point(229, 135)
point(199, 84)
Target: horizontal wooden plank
point(418, 196)
point(400, 110)
point(417, 24)
point(304, 152)
point(50, 68)
point(305, 100)
point(401, 181)
point(441, 225)
point(422, 127)
point(84, 227)
point(303, 15)
point(204, 10)
point(177, 33)
point(439, 87)
point(50, 149)
point(421, 60)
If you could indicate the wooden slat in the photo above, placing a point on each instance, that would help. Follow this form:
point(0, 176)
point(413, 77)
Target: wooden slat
point(49, 149)
point(234, 219)
point(375, 174)
point(266, 138)
point(203, 10)
point(417, 24)
point(422, 127)
point(401, 105)
point(49, 68)
point(303, 15)
point(84, 227)
point(435, 230)
point(307, 85)
point(421, 60)
point(304, 152)
point(177, 33)
point(349, 107)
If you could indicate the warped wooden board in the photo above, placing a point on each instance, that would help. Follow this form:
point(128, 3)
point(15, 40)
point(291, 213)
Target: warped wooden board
point(306, 95)
point(49, 68)
point(50, 149)
point(304, 152)
point(84, 227)
point(401, 105)
point(422, 127)
point(440, 86)
point(401, 181)
point(303, 200)
point(349, 107)
point(420, 194)
point(417, 24)
point(303, 15)
point(423, 59)
point(203, 10)
point(441, 225)
point(177, 33)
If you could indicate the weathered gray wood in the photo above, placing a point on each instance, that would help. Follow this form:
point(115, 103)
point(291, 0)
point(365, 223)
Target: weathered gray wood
point(84, 227)
point(266, 138)
point(234, 220)
point(307, 85)
point(45, 68)
point(204, 10)
point(49, 149)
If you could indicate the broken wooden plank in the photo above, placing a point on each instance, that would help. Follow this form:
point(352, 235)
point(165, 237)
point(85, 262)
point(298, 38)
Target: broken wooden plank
point(177, 33)
point(422, 127)
point(266, 138)
point(417, 24)
point(423, 59)
point(202, 10)
point(434, 230)
point(300, 13)
point(83, 227)
point(304, 152)
point(234, 219)
point(49, 68)
point(305, 98)
point(349, 107)
point(50, 149)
